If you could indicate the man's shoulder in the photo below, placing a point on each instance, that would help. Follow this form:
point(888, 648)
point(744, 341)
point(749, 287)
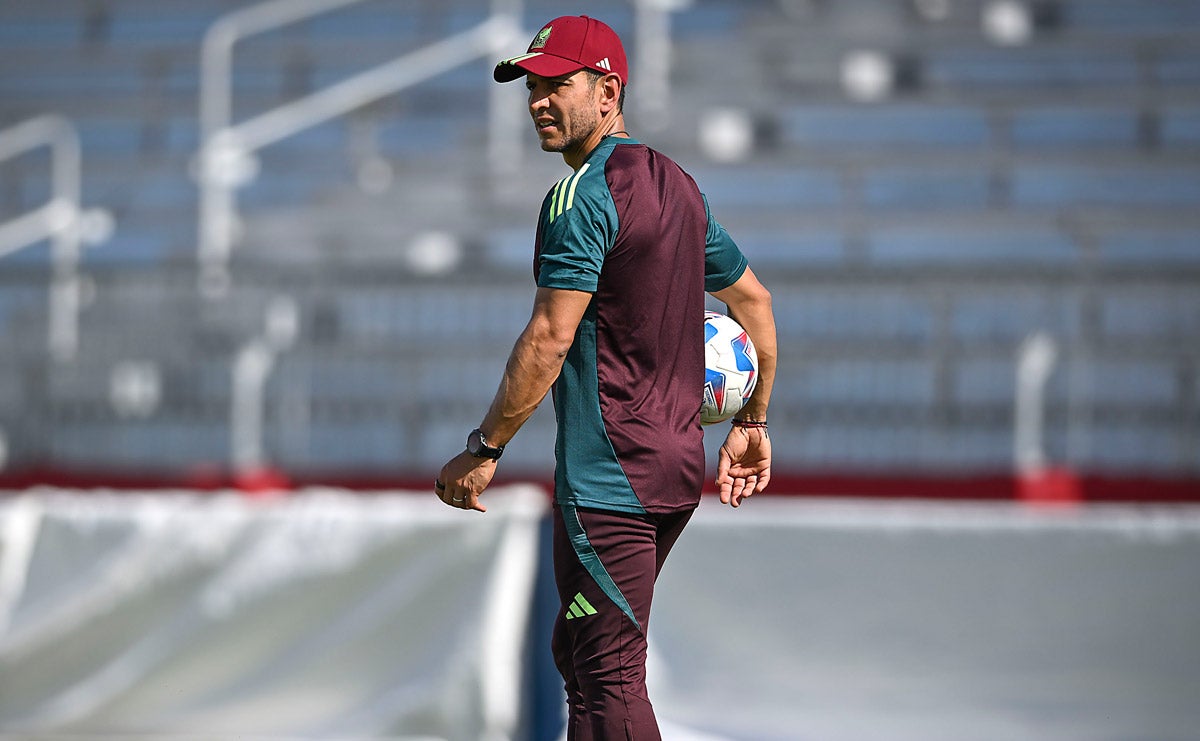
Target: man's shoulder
point(634, 157)
point(587, 187)
point(639, 165)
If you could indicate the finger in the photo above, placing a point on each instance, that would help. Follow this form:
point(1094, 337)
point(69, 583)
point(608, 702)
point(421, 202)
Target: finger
point(451, 496)
point(735, 498)
point(763, 479)
point(748, 489)
point(470, 500)
point(725, 486)
point(723, 462)
point(445, 493)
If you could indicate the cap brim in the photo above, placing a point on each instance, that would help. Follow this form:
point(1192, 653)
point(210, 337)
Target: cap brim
point(537, 63)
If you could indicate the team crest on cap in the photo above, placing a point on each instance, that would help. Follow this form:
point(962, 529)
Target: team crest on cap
point(540, 40)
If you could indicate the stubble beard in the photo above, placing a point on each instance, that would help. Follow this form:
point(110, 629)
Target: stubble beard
point(564, 145)
point(572, 139)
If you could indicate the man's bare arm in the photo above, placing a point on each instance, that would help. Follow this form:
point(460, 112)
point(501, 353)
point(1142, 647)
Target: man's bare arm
point(533, 365)
point(744, 465)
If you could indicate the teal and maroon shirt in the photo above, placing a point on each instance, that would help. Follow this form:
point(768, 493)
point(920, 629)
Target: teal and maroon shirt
point(631, 228)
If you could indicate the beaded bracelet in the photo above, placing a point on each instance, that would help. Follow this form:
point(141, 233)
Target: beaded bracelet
point(748, 424)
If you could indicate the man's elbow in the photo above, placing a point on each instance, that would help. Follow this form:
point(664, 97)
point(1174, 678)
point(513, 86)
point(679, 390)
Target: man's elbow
point(762, 297)
point(550, 340)
point(755, 299)
point(559, 345)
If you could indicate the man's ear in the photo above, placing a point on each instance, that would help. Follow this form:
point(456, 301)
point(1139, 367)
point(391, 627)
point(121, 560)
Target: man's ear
point(610, 93)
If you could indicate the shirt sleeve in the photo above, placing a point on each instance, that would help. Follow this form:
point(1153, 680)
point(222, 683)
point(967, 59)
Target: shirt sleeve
point(724, 263)
point(579, 227)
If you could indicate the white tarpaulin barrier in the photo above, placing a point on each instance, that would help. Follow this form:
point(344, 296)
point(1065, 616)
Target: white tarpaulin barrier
point(335, 616)
point(322, 615)
point(790, 620)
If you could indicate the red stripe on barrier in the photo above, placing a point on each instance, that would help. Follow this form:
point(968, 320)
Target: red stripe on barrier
point(1056, 486)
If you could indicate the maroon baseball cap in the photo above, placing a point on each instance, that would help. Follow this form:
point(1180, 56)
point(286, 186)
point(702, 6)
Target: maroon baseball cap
point(565, 45)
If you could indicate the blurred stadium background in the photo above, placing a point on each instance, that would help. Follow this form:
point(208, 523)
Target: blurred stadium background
point(260, 246)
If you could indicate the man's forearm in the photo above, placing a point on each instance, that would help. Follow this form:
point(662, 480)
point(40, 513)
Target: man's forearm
point(532, 368)
point(749, 303)
point(535, 361)
point(758, 319)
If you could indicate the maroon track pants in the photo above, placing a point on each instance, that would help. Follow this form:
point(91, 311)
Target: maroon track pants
point(605, 565)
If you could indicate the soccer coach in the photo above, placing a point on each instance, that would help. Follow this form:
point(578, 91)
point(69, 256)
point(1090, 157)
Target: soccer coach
point(626, 249)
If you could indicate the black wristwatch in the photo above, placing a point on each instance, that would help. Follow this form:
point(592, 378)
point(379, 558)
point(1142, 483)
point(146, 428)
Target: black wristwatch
point(477, 446)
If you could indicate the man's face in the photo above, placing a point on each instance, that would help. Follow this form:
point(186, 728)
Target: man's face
point(565, 110)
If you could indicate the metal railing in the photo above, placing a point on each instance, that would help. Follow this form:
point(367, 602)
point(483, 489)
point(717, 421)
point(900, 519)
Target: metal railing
point(1035, 362)
point(61, 219)
point(861, 389)
point(226, 160)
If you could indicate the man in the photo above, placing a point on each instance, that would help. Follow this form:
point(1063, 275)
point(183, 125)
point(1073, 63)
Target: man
point(625, 250)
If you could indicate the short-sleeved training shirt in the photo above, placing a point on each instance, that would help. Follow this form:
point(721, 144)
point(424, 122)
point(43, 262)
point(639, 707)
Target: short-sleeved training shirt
point(631, 228)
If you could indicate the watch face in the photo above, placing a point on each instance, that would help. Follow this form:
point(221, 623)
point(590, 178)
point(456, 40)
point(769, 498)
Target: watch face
point(478, 448)
point(475, 442)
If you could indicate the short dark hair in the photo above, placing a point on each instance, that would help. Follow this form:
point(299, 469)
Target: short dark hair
point(595, 77)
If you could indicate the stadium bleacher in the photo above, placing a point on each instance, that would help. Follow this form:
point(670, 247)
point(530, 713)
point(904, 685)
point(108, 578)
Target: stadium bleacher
point(911, 242)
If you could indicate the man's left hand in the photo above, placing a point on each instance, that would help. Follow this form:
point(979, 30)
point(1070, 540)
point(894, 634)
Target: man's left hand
point(744, 464)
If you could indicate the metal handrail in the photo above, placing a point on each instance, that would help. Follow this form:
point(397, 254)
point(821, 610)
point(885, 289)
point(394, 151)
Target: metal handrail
point(61, 220)
point(1036, 359)
point(251, 369)
point(226, 159)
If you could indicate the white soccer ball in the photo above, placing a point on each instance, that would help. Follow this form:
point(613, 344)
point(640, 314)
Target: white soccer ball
point(730, 368)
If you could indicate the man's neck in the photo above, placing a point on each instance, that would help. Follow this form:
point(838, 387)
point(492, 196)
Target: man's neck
point(614, 126)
